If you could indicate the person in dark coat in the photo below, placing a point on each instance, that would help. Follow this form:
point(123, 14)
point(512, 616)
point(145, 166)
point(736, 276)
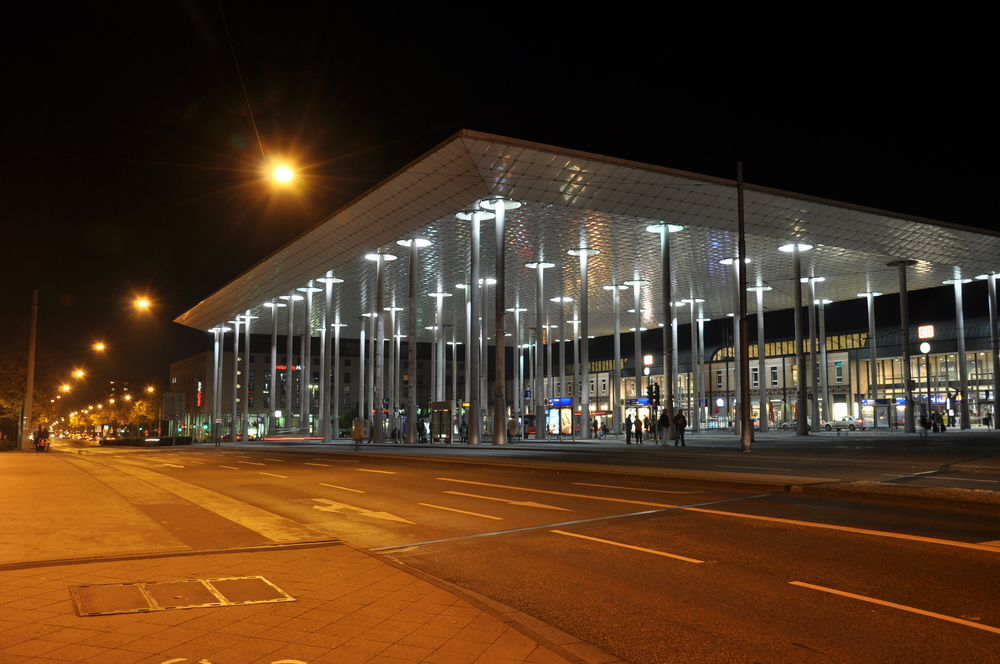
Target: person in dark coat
point(680, 422)
point(628, 429)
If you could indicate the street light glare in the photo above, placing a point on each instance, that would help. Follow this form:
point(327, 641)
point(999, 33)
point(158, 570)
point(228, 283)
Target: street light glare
point(142, 303)
point(283, 174)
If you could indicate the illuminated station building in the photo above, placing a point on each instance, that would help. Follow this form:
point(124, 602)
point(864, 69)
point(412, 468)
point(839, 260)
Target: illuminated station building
point(608, 281)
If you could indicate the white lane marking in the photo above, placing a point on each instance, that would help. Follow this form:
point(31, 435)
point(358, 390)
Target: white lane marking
point(519, 503)
point(632, 488)
point(452, 509)
point(252, 463)
point(278, 460)
point(324, 465)
point(628, 546)
point(342, 488)
point(753, 468)
point(231, 467)
point(273, 527)
point(847, 529)
point(332, 506)
point(791, 522)
point(369, 470)
point(558, 493)
point(284, 477)
point(901, 607)
point(169, 465)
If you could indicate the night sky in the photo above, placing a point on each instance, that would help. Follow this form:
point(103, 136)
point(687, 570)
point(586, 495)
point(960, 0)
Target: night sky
point(132, 163)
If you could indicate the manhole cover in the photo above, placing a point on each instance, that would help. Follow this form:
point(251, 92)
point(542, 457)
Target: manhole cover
point(102, 600)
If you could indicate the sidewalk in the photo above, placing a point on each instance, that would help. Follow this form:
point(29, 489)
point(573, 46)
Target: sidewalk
point(349, 606)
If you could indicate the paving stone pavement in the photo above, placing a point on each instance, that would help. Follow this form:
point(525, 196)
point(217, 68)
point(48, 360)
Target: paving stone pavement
point(350, 608)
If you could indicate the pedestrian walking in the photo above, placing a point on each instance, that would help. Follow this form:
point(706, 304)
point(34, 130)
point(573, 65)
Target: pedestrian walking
point(628, 429)
point(680, 422)
point(663, 426)
point(463, 432)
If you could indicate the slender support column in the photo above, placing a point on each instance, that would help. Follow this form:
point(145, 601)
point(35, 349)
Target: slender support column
point(393, 367)
point(583, 360)
point(740, 359)
point(364, 411)
point(245, 427)
point(616, 369)
point(518, 404)
point(746, 434)
point(439, 344)
point(328, 366)
point(539, 386)
point(796, 249)
point(872, 354)
point(695, 409)
point(373, 342)
point(219, 333)
point(378, 389)
point(696, 371)
point(909, 425)
point(289, 386)
point(991, 285)
point(305, 376)
point(335, 416)
point(325, 343)
point(965, 420)
point(475, 425)
point(637, 284)
point(576, 388)
point(824, 369)
point(813, 373)
point(233, 426)
point(273, 406)
point(762, 379)
point(667, 397)
point(499, 205)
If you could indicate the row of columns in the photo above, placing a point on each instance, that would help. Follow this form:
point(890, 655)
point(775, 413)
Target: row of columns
point(495, 208)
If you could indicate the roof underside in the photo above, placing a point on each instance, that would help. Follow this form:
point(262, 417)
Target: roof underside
point(572, 200)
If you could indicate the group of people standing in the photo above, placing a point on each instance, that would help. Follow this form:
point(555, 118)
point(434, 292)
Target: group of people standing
point(634, 428)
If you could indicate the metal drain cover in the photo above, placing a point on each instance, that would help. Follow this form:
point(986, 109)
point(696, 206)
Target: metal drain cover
point(102, 600)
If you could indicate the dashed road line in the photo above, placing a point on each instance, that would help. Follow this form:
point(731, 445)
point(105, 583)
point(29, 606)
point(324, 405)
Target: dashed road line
point(901, 607)
point(628, 546)
point(452, 509)
point(342, 488)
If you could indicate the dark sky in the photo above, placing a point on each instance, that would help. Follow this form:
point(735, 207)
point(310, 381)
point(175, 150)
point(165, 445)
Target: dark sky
point(131, 162)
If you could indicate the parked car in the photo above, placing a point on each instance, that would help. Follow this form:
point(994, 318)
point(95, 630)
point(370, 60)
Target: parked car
point(847, 422)
point(790, 424)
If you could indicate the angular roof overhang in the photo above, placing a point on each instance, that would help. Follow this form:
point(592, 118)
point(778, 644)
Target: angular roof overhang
point(572, 199)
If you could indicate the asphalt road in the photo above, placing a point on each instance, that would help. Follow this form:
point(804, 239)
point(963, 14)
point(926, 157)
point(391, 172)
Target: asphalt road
point(646, 568)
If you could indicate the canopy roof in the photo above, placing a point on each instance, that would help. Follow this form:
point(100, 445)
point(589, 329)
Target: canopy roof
point(570, 200)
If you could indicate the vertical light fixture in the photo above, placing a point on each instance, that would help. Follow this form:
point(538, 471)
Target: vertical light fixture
point(796, 249)
point(475, 219)
point(616, 370)
point(538, 391)
point(499, 206)
point(584, 360)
